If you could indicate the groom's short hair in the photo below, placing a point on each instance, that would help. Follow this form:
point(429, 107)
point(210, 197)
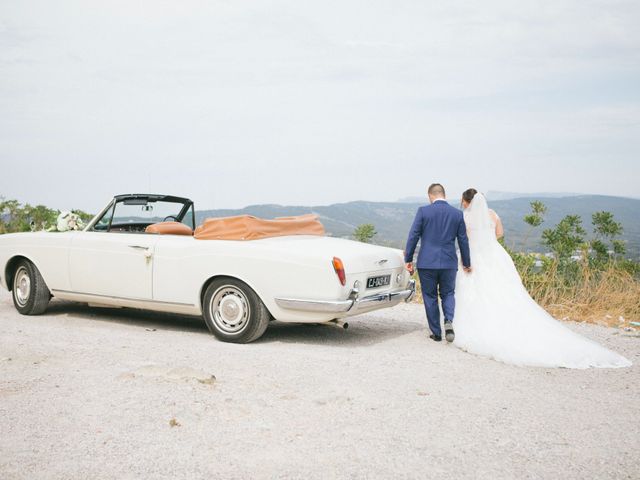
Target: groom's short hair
point(436, 189)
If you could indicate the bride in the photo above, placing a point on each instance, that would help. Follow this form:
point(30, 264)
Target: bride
point(496, 317)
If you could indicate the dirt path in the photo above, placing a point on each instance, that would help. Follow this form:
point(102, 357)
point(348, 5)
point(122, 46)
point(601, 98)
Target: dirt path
point(116, 394)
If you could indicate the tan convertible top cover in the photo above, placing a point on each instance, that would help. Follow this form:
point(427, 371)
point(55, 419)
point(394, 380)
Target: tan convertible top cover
point(246, 227)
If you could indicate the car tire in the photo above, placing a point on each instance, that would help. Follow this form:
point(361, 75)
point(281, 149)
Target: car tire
point(29, 291)
point(233, 312)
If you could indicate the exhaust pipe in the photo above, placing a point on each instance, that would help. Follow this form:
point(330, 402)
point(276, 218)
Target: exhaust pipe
point(339, 323)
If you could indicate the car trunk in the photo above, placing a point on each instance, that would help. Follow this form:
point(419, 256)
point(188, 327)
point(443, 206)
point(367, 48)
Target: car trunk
point(361, 261)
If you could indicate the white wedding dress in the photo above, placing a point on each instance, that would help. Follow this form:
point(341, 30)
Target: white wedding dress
point(496, 317)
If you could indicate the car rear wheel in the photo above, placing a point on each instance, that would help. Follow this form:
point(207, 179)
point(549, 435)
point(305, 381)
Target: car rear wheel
point(233, 312)
point(30, 293)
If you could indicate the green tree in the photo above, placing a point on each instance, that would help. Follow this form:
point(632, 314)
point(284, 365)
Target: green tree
point(14, 216)
point(605, 225)
point(40, 216)
point(3, 225)
point(565, 238)
point(84, 216)
point(606, 230)
point(534, 219)
point(365, 233)
point(619, 247)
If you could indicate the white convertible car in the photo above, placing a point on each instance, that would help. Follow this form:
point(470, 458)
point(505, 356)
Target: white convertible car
point(239, 273)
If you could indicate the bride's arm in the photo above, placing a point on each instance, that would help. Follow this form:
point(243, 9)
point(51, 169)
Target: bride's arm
point(499, 229)
point(498, 223)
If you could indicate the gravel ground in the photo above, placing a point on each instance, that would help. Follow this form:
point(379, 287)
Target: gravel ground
point(117, 394)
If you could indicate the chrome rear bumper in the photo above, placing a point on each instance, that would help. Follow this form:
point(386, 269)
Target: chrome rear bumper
point(353, 304)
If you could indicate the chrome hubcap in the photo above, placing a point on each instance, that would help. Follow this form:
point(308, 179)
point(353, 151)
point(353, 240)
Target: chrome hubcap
point(230, 309)
point(22, 286)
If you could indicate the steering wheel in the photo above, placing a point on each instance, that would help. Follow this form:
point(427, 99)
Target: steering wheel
point(169, 217)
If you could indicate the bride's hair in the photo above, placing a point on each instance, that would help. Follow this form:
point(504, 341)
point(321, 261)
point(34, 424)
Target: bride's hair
point(468, 195)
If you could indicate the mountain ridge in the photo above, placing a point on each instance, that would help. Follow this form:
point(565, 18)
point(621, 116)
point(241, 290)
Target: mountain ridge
point(392, 220)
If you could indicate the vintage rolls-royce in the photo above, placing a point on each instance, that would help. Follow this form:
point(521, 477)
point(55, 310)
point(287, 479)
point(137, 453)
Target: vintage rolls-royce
point(144, 251)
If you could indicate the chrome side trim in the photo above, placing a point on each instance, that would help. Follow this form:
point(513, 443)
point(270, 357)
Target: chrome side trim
point(110, 297)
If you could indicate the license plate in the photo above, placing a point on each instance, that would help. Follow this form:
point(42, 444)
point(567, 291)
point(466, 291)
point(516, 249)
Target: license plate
point(381, 281)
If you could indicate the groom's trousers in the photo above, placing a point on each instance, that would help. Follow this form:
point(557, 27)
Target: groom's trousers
point(432, 282)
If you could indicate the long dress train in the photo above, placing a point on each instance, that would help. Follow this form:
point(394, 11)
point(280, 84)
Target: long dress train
point(496, 317)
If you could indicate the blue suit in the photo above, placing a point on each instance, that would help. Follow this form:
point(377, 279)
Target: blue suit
point(437, 226)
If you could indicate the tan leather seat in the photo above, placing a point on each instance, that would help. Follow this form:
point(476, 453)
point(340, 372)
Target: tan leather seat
point(169, 228)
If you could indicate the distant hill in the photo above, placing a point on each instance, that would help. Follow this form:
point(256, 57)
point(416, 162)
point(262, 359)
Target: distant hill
point(625, 210)
point(495, 196)
point(393, 219)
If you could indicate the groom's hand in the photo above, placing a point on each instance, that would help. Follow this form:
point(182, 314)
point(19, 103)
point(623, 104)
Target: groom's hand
point(468, 269)
point(409, 267)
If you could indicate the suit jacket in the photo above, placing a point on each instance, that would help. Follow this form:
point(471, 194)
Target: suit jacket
point(437, 226)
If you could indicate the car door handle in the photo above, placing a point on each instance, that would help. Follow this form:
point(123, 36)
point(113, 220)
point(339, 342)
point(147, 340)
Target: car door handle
point(147, 250)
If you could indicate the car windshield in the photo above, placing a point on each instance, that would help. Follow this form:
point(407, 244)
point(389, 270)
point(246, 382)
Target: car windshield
point(135, 214)
point(146, 212)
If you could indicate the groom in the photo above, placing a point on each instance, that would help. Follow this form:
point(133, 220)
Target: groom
point(437, 226)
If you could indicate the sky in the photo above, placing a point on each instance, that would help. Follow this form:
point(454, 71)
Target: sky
point(233, 103)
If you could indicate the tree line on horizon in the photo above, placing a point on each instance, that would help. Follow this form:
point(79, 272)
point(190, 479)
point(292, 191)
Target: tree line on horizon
point(17, 217)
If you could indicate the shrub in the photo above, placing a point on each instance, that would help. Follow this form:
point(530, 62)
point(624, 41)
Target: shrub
point(15, 217)
point(365, 233)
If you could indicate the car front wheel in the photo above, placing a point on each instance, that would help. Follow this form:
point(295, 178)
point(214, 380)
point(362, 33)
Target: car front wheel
point(30, 293)
point(233, 312)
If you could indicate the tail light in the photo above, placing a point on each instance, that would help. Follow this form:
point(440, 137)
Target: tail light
point(338, 266)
